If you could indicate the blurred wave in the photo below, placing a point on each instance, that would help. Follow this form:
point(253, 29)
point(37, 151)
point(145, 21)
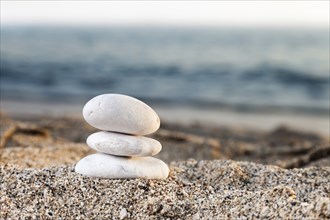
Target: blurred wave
point(243, 70)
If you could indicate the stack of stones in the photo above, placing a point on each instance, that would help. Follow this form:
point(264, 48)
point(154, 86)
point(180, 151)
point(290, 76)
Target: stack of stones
point(122, 150)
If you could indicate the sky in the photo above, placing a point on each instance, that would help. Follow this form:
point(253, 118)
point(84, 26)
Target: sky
point(210, 13)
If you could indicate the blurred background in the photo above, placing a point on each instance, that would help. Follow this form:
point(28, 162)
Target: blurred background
point(242, 63)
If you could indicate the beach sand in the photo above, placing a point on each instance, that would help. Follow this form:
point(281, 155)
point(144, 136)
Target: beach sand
point(215, 172)
point(194, 190)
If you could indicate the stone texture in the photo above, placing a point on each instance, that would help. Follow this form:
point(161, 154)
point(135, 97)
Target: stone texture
point(114, 167)
point(123, 145)
point(121, 113)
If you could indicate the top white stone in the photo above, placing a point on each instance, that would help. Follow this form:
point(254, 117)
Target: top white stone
point(121, 113)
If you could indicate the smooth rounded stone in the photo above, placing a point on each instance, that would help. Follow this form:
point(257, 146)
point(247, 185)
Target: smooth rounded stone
point(123, 145)
point(121, 113)
point(114, 167)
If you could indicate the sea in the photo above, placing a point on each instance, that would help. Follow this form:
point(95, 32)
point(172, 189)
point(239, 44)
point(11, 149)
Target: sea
point(240, 69)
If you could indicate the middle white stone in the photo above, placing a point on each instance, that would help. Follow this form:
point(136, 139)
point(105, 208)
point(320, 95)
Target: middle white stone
point(123, 145)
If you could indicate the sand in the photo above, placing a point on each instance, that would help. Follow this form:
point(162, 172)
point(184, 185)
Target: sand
point(194, 190)
point(233, 174)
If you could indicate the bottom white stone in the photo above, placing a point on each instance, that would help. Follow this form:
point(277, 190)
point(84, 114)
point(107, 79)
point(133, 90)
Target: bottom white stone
point(114, 167)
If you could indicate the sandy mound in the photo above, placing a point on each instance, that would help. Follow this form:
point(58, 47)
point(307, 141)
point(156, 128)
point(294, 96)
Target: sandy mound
point(194, 190)
point(37, 177)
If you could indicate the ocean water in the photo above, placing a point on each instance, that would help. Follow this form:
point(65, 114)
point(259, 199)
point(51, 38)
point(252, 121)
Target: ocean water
point(231, 68)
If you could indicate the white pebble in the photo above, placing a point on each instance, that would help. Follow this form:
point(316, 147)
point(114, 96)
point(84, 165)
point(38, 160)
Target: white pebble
point(114, 167)
point(121, 113)
point(123, 145)
point(123, 214)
